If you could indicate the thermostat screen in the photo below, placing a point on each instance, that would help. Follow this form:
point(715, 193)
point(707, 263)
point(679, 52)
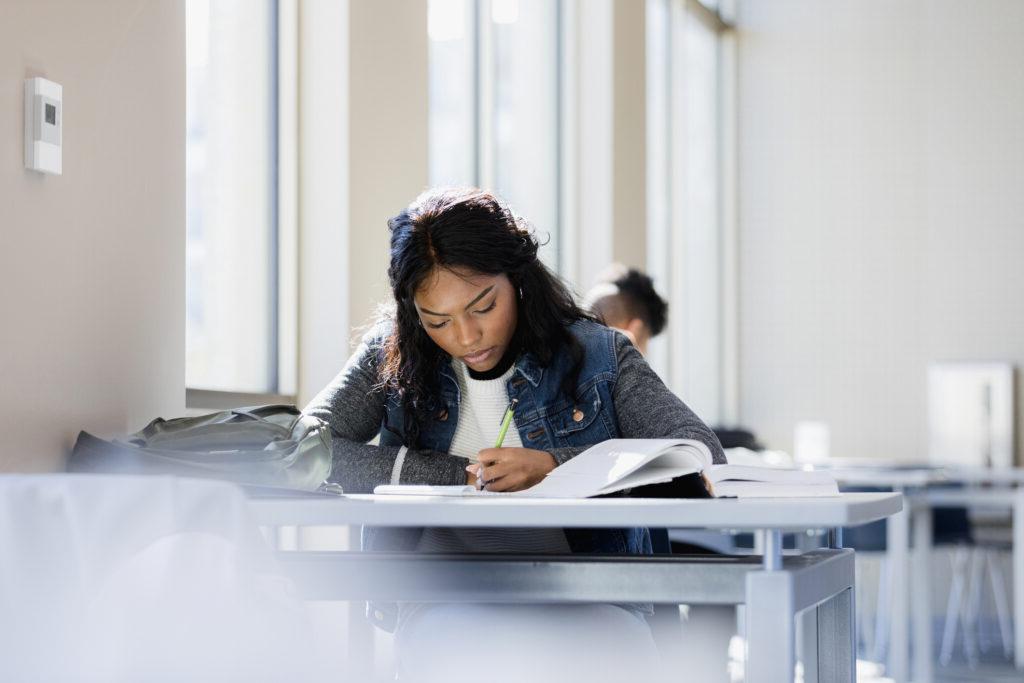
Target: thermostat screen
point(51, 114)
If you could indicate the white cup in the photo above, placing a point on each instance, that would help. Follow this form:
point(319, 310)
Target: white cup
point(810, 441)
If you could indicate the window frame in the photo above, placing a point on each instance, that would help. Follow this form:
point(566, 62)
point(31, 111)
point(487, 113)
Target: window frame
point(284, 220)
point(666, 265)
point(483, 92)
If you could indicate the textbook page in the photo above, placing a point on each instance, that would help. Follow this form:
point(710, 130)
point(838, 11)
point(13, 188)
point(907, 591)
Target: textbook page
point(718, 473)
point(760, 489)
point(425, 490)
point(622, 463)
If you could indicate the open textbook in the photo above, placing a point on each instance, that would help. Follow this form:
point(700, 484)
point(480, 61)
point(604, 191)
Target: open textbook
point(655, 468)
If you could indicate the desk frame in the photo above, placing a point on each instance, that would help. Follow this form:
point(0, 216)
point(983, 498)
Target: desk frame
point(919, 516)
point(923, 491)
point(774, 588)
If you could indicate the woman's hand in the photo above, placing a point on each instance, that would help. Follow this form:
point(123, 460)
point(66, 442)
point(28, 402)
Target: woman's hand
point(510, 469)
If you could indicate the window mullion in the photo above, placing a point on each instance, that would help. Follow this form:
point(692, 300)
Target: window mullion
point(484, 96)
point(287, 193)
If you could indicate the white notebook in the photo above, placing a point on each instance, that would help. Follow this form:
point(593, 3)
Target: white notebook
point(619, 464)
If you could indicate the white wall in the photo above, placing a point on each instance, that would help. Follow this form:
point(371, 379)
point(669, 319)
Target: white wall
point(387, 137)
point(881, 160)
point(92, 262)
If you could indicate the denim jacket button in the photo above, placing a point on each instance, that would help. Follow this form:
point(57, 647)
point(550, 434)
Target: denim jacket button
point(577, 415)
point(443, 415)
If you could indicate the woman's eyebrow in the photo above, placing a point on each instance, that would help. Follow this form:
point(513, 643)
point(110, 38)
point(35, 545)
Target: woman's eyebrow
point(479, 296)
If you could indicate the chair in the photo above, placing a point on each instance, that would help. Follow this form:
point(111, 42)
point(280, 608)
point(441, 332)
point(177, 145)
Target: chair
point(113, 578)
point(693, 638)
point(665, 623)
point(971, 558)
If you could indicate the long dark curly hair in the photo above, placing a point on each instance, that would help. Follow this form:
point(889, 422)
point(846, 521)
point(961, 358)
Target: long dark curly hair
point(471, 229)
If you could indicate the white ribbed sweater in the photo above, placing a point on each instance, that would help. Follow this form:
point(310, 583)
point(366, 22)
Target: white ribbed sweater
point(481, 408)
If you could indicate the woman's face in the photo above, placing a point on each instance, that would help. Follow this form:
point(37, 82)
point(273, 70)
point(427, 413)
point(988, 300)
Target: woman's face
point(469, 315)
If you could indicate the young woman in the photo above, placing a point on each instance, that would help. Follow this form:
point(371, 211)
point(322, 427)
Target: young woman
point(479, 322)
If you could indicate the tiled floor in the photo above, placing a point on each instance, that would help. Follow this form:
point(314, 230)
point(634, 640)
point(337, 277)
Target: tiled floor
point(992, 667)
point(985, 672)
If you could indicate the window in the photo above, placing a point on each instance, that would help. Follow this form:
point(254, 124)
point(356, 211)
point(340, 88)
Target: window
point(687, 194)
point(232, 246)
point(451, 25)
point(495, 104)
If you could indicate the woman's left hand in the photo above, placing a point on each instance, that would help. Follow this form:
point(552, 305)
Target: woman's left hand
point(513, 469)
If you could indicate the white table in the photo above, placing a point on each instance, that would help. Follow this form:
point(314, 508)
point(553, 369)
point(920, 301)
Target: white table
point(924, 490)
point(773, 588)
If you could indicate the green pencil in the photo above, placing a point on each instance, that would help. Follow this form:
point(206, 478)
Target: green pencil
point(505, 422)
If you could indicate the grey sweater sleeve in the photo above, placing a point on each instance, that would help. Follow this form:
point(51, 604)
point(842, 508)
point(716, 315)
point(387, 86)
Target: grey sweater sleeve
point(353, 406)
point(646, 409)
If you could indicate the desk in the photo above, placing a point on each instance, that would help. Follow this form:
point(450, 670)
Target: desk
point(922, 496)
point(923, 502)
point(773, 587)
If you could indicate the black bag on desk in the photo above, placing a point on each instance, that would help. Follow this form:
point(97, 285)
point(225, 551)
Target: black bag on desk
point(273, 445)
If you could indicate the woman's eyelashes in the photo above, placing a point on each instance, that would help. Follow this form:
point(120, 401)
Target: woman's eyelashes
point(482, 311)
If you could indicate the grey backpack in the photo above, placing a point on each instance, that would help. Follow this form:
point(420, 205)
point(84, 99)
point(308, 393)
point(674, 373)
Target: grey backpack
point(271, 445)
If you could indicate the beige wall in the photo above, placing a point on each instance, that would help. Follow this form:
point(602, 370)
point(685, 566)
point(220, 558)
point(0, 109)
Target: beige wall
point(387, 136)
point(629, 45)
point(363, 158)
point(881, 160)
point(605, 153)
point(92, 262)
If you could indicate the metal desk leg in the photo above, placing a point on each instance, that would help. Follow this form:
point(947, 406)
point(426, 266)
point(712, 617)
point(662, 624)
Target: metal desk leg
point(898, 551)
point(1018, 578)
point(772, 597)
point(362, 644)
point(770, 623)
point(836, 631)
point(808, 635)
point(921, 590)
point(837, 649)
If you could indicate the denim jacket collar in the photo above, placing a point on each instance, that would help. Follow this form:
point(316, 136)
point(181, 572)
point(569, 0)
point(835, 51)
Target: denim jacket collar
point(530, 369)
point(526, 365)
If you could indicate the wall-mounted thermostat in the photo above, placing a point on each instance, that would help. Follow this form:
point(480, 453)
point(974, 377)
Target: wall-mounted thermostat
point(44, 120)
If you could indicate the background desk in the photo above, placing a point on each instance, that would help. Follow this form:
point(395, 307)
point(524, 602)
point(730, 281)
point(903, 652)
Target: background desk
point(926, 489)
point(923, 501)
point(774, 588)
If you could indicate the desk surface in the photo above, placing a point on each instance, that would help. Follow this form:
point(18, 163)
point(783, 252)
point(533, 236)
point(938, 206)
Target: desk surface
point(902, 477)
point(787, 514)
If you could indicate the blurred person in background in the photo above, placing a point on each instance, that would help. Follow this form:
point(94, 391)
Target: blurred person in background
point(624, 298)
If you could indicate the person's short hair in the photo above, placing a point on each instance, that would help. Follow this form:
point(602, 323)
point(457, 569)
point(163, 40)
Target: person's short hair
point(625, 293)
